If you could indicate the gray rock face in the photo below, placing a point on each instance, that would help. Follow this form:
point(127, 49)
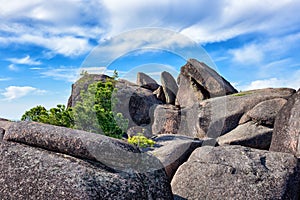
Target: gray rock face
point(136, 130)
point(287, 127)
point(5, 124)
point(235, 172)
point(166, 120)
point(2, 131)
point(83, 84)
point(174, 150)
point(145, 81)
point(51, 162)
point(169, 86)
point(265, 112)
point(197, 81)
point(217, 116)
point(248, 135)
point(135, 103)
point(160, 95)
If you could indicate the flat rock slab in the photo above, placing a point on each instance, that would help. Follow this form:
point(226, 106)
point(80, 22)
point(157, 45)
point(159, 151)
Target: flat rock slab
point(113, 153)
point(169, 86)
point(248, 135)
point(287, 127)
point(235, 172)
point(33, 173)
point(146, 81)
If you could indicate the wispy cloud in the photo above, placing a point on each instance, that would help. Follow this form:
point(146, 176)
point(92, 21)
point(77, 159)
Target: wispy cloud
point(16, 92)
point(13, 67)
point(5, 79)
point(63, 73)
point(24, 61)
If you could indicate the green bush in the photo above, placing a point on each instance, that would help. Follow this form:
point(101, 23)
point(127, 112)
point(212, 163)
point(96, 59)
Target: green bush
point(140, 141)
point(59, 116)
point(93, 113)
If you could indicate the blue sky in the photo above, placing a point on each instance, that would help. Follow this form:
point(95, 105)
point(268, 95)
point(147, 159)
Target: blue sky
point(45, 44)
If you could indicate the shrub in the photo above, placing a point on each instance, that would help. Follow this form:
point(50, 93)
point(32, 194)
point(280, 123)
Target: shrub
point(140, 141)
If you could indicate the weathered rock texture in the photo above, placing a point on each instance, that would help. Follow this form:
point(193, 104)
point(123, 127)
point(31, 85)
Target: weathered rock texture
point(145, 81)
point(169, 86)
point(197, 81)
point(248, 135)
point(135, 103)
point(166, 120)
point(218, 116)
point(265, 112)
point(235, 172)
point(160, 95)
point(174, 150)
point(83, 84)
point(287, 127)
point(50, 162)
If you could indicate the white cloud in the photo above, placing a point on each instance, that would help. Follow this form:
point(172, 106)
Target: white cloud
point(13, 67)
point(24, 61)
point(16, 92)
point(5, 79)
point(291, 81)
point(68, 74)
point(248, 54)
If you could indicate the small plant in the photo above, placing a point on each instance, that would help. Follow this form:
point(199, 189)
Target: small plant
point(241, 94)
point(140, 141)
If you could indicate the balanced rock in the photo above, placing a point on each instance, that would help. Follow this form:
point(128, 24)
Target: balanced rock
point(197, 81)
point(50, 162)
point(265, 112)
point(235, 172)
point(287, 127)
point(145, 81)
point(248, 135)
point(169, 86)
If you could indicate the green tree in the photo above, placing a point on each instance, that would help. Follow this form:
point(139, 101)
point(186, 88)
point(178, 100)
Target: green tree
point(94, 113)
point(59, 116)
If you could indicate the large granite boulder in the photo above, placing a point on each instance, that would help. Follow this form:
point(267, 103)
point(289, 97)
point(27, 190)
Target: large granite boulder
point(5, 123)
point(166, 120)
point(248, 135)
point(235, 172)
point(160, 95)
point(51, 162)
point(135, 103)
point(287, 127)
point(264, 113)
point(197, 81)
point(83, 84)
point(169, 86)
point(217, 116)
point(145, 81)
point(174, 150)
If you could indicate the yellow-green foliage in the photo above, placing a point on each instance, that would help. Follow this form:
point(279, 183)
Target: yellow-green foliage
point(140, 141)
point(241, 94)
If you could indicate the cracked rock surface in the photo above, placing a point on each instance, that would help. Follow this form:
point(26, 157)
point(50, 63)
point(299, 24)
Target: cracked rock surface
point(236, 172)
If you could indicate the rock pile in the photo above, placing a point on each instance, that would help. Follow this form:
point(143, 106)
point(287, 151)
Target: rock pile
point(211, 143)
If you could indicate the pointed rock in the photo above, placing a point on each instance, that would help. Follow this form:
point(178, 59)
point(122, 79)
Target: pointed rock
point(169, 86)
point(146, 81)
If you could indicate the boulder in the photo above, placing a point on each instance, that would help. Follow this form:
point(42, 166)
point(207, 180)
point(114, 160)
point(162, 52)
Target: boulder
point(50, 162)
point(248, 135)
point(287, 127)
point(136, 130)
point(217, 116)
point(197, 81)
point(174, 150)
point(5, 123)
point(2, 131)
point(166, 120)
point(145, 81)
point(235, 172)
point(169, 86)
point(160, 95)
point(265, 112)
point(83, 84)
point(135, 103)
